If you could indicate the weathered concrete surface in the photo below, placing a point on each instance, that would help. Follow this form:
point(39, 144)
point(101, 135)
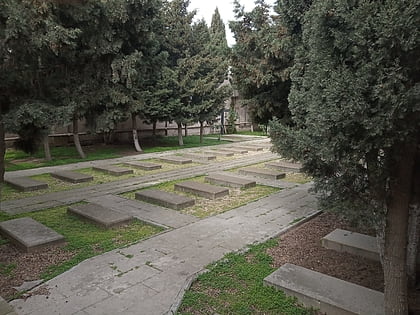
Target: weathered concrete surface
point(200, 156)
point(146, 166)
point(219, 153)
point(175, 159)
point(284, 166)
point(5, 308)
point(113, 170)
point(262, 172)
point(328, 294)
point(235, 151)
point(72, 177)
point(30, 235)
point(229, 180)
point(202, 189)
point(154, 277)
point(100, 215)
point(249, 148)
point(165, 199)
point(352, 242)
point(26, 183)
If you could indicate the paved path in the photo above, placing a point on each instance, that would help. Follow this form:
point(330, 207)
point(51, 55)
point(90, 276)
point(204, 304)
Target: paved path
point(149, 277)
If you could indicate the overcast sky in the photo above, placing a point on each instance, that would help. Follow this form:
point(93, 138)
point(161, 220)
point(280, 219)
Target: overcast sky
point(205, 9)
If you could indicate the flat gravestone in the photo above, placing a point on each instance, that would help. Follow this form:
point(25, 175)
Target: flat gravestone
point(6, 308)
point(220, 153)
point(99, 215)
point(228, 180)
point(30, 235)
point(26, 183)
point(250, 148)
point(113, 170)
point(261, 172)
point(284, 166)
point(202, 189)
point(72, 177)
point(165, 199)
point(233, 150)
point(146, 166)
point(328, 294)
point(200, 156)
point(174, 159)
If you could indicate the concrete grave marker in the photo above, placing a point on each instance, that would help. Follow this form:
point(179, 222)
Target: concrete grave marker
point(113, 170)
point(284, 166)
point(202, 189)
point(72, 177)
point(146, 166)
point(100, 215)
point(261, 172)
point(165, 199)
point(26, 183)
point(174, 159)
point(228, 180)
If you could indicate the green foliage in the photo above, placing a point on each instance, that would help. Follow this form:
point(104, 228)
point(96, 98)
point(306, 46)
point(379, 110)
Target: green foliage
point(234, 285)
point(354, 100)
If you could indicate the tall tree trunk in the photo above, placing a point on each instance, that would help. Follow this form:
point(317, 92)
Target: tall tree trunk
point(166, 128)
point(46, 145)
point(135, 135)
point(154, 129)
point(180, 140)
point(76, 138)
point(186, 129)
point(2, 154)
point(395, 260)
point(201, 131)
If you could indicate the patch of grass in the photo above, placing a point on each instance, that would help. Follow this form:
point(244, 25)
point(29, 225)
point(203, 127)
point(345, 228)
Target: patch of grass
point(159, 143)
point(234, 285)
point(7, 269)
point(85, 240)
point(54, 184)
point(204, 207)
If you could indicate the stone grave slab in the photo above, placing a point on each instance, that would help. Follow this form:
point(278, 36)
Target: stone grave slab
point(284, 166)
point(249, 148)
point(200, 156)
point(6, 308)
point(261, 172)
point(165, 199)
point(328, 294)
point(352, 242)
point(220, 153)
point(100, 215)
point(175, 159)
point(202, 189)
point(113, 170)
point(30, 235)
point(146, 166)
point(26, 183)
point(234, 150)
point(228, 180)
point(72, 177)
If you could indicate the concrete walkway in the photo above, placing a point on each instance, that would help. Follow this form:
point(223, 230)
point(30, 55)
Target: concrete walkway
point(150, 277)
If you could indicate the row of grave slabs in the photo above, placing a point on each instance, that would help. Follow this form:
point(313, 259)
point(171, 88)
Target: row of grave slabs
point(29, 235)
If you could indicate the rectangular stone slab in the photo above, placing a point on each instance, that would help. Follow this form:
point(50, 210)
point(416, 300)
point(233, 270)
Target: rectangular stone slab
point(239, 151)
point(227, 180)
point(199, 156)
point(284, 166)
point(351, 242)
point(113, 170)
point(26, 183)
point(165, 199)
point(249, 148)
point(146, 166)
point(219, 153)
point(202, 189)
point(330, 295)
point(99, 215)
point(72, 177)
point(174, 159)
point(261, 172)
point(30, 235)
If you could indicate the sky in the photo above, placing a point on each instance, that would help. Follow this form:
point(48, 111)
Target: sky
point(205, 9)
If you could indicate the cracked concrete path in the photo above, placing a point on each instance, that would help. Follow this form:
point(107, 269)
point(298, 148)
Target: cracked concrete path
point(150, 277)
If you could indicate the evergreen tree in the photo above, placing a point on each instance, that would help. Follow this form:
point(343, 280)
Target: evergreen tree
point(355, 105)
point(260, 63)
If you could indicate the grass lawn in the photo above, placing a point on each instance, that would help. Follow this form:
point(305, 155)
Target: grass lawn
point(234, 285)
point(84, 240)
point(206, 207)
point(54, 184)
point(19, 160)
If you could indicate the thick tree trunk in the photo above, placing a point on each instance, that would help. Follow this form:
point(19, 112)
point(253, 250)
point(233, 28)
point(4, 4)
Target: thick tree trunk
point(154, 129)
point(135, 135)
point(186, 129)
point(201, 131)
point(76, 138)
point(2, 154)
point(395, 260)
point(166, 128)
point(46, 145)
point(180, 140)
